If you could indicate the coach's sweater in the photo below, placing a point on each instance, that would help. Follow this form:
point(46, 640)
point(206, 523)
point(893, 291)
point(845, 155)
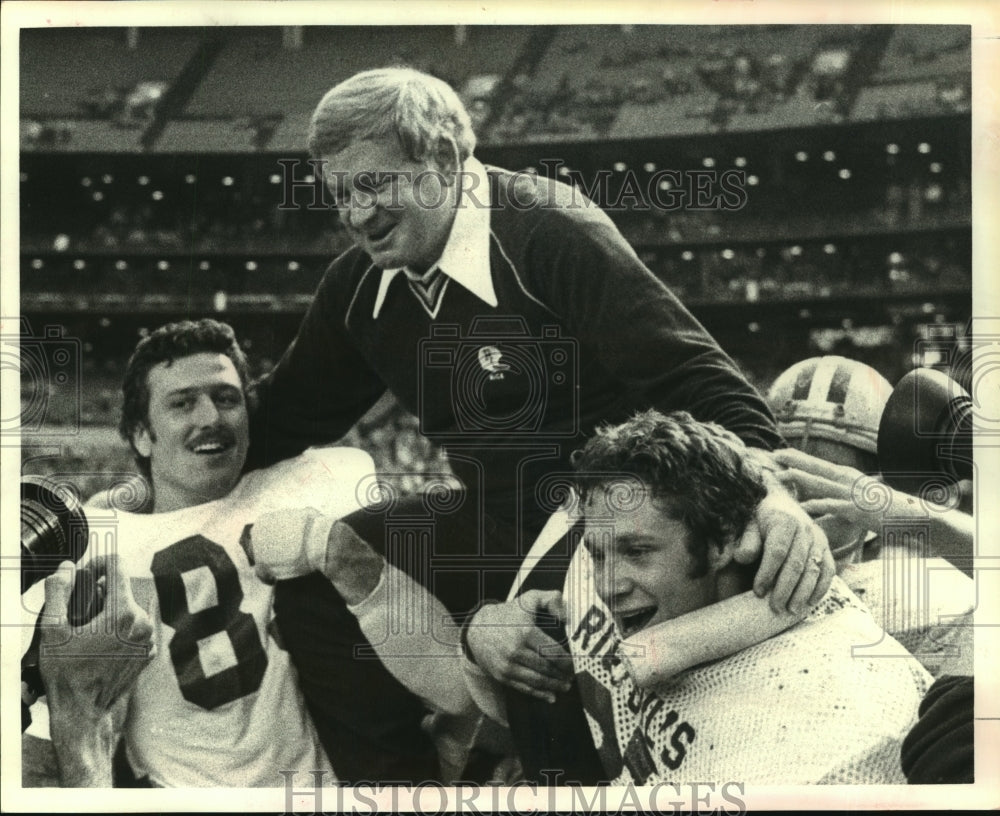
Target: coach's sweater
point(580, 333)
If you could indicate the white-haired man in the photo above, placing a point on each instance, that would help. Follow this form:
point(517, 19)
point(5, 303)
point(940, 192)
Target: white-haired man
point(456, 265)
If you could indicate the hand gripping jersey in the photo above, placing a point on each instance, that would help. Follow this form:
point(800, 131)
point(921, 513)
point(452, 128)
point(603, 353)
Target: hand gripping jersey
point(220, 704)
point(799, 708)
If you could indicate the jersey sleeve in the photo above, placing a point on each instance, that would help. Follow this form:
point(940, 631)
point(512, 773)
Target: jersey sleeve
point(333, 480)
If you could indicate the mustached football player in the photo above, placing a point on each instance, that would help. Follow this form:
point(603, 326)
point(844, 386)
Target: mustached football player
point(219, 705)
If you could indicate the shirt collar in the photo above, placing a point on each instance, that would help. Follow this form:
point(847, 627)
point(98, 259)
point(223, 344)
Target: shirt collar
point(466, 255)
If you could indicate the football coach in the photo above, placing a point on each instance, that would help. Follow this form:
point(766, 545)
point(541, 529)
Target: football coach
point(508, 313)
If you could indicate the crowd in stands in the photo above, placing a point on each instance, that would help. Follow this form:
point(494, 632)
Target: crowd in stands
point(717, 77)
point(719, 82)
point(810, 270)
point(749, 272)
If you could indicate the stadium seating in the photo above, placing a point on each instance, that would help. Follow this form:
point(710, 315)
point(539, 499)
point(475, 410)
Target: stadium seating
point(298, 78)
point(925, 52)
point(62, 67)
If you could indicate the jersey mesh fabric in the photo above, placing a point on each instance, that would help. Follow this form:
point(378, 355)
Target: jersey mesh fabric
point(220, 705)
point(799, 708)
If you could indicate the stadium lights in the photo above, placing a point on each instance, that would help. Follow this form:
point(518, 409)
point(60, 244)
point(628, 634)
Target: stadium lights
point(665, 184)
point(563, 170)
point(708, 161)
point(844, 173)
point(204, 266)
point(923, 147)
point(143, 180)
point(754, 327)
point(892, 149)
point(895, 258)
point(107, 178)
point(251, 266)
point(829, 249)
point(804, 314)
point(190, 178)
point(935, 167)
point(121, 266)
point(620, 167)
point(753, 181)
point(796, 250)
point(24, 177)
point(86, 181)
point(847, 324)
point(928, 308)
point(163, 266)
point(649, 167)
point(79, 264)
point(740, 161)
point(37, 263)
point(293, 266)
point(227, 181)
point(728, 254)
point(98, 195)
point(687, 255)
point(801, 156)
point(310, 179)
point(829, 156)
point(157, 195)
point(275, 178)
point(61, 242)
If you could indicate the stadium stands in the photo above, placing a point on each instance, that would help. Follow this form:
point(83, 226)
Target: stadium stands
point(61, 69)
point(857, 210)
point(926, 52)
point(297, 78)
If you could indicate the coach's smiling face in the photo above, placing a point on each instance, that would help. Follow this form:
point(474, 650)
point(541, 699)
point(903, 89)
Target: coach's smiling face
point(197, 431)
point(396, 209)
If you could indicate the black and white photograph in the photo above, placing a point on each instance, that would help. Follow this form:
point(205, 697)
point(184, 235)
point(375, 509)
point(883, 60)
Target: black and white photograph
point(455, 407)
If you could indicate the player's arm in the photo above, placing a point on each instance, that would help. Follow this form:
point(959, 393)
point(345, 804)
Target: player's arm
point(826, 489)
point(410, 630)
point(88, 669)
point(320, 387)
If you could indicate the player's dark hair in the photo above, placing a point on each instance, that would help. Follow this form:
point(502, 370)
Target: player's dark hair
point(699, 473)
point(164, 345)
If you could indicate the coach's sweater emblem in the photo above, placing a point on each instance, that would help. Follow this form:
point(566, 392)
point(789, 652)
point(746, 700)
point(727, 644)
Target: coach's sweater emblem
point(489, 359)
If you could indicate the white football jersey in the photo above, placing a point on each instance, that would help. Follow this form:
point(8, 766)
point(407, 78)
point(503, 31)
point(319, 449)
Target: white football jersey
point(807, 706)
point(220, 704)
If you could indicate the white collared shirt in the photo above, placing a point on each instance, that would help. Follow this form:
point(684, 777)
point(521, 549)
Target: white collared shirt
point(466, 255)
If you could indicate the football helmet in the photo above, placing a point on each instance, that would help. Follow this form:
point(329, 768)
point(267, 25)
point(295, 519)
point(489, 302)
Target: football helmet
point(830, 398)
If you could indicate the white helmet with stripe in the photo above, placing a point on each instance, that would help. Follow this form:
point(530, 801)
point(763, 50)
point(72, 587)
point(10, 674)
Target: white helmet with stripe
point(831, 398)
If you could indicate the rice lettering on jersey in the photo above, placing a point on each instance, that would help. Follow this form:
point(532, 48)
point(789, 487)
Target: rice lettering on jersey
point(727, 720)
